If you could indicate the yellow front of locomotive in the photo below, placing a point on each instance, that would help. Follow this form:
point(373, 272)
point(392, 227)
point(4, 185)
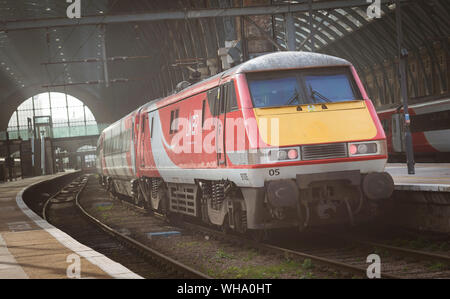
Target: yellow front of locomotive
point(321, 149)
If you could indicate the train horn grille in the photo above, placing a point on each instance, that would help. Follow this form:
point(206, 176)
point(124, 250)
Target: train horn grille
point(324, 151)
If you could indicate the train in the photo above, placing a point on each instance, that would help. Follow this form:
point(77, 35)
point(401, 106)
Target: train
point(284, 140)
point(430, 130)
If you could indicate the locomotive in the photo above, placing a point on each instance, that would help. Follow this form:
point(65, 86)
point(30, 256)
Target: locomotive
point(287, 139)
point(430, 129)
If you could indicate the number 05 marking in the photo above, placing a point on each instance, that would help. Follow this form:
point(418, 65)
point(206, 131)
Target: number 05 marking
point(274, 172)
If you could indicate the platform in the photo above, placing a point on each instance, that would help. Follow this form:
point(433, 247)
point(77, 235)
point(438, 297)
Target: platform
point(30, 247)
point(433, 177)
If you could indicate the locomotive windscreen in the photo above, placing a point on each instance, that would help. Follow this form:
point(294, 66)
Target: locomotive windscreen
point(302, 87)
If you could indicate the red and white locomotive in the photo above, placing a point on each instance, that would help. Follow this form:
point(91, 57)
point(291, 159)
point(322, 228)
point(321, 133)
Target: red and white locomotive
point(287, 139)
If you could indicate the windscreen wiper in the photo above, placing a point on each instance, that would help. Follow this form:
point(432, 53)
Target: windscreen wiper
point(291, 99)
point(320, 96)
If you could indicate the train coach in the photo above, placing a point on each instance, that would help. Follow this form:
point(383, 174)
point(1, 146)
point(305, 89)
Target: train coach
point(287, 139)
point(430, 129)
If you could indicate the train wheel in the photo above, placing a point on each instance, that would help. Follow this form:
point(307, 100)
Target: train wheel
point(225, 227)
point(139, 200)
point(112, 190)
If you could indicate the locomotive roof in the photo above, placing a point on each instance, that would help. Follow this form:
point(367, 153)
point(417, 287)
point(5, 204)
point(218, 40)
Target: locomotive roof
point(286, 60)
point(266, 62)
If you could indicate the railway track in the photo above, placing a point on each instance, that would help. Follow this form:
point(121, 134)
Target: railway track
point(64, 211)
point(396, 262)
point(346, 269)
point(347, 256)
point(412, 253)
point(344, 257)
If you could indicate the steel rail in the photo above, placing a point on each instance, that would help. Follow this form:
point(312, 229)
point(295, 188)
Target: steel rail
point(404, 251)
point(47, 202)
point(157, 256)
point(302, 255)
point(268, 247)
point(276, 249)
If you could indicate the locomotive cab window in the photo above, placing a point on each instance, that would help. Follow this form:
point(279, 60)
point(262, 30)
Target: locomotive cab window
point(222, 99)
point(213, 95)
point(302, 87)
point(231, 97)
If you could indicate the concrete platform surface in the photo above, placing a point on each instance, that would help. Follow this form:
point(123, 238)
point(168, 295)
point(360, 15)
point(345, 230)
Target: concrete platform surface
point(434, 177)
point(30, 247)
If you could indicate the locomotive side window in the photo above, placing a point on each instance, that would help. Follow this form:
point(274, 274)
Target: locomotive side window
point(231, 97)
point(203, 111)
point(172, 114)
point(173, 121)
point(223, 98)
point(212, 100)
point(151, 129)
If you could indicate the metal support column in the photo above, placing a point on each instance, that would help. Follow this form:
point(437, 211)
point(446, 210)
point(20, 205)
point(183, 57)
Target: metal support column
point(43, 152)
point(290, 32)
point(104, 58)
point(9, 161)
point(402, 55)
point(311, 29)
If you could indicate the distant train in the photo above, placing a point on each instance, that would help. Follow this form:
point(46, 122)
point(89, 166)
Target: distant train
point(430, 128)
point(287, 139)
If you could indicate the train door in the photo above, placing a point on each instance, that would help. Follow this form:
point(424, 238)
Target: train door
point(397, 133)
point(220, 111)
point(143, 133)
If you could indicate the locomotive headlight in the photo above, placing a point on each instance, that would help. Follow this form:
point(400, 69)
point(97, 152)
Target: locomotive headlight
point(280, 155)
point(367, 148)
point(363, 148)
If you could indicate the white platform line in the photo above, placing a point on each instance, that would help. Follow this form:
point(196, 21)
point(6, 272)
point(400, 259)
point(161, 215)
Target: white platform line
point(9, 268)
point(109, 266)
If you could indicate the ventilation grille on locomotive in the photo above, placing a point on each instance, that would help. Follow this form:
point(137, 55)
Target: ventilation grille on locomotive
point(324, 151)
point(182, 199)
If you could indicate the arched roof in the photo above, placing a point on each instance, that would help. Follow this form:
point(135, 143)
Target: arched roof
point(69, 58)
